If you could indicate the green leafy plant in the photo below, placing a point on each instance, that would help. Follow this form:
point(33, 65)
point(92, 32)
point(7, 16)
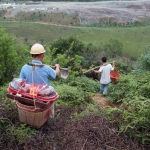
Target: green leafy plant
point(5, 123)
point(17, 134)
point(71, 96)
point(9, 58)
point(114, 48)
point(145, 60)
point(75, 91)
point(8, 64)
point(132, 116)
point(6, 103)
point(81, 82)
point(21, 133)
point(133, 119)
point(71, 46)
point(86, 84)
point(129, 86)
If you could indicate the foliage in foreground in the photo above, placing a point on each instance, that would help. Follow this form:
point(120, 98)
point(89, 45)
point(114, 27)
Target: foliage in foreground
point(129, 86)
point(75, 91)
point(145, 59)
point(10, 62)
point(14, 133)
point(10, 129)
point(132, 116)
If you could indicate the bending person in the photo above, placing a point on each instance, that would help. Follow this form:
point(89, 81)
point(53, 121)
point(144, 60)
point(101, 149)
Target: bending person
point(41, 75)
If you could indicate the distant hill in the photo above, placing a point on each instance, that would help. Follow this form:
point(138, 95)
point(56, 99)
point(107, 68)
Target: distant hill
point(121, 12)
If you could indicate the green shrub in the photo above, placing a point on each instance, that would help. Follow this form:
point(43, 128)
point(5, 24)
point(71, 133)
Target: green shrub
point(124, 68)
point(129, 86)
point(86, 84)
point(145, 60)
point(10, 62)
point(71, 46)
point(71, 96)
point(6, 103)
point(4, 125)
point(11, 133)
point(117, 92)
point(132, 116)
point(114, 48)
point(21, 133)
point(81, 82)
point(75, 91)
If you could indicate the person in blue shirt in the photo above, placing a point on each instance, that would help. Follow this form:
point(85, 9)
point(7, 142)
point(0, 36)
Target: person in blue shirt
point(39, 74)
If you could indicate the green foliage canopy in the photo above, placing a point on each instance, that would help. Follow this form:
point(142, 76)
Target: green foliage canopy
point(12, 57)
point(70, 45)
point(8, 57)
point(132, 116)
point(145, 59)
point(114, 48)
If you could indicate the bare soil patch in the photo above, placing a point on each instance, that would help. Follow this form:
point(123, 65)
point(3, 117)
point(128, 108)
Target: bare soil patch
point(124, 12)
point(92, 132)
point(102, 101)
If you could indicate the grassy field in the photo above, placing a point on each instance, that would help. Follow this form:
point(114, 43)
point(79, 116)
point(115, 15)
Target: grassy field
point(134, 39)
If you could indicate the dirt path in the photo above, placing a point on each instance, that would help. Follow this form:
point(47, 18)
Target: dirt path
point(49, 23)
point(60, 25)
point(102, 101)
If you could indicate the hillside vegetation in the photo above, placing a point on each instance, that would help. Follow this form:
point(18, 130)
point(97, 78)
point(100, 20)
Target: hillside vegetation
point(93, 22)
point(80, 122)
point(134, 39)
point(129, 119)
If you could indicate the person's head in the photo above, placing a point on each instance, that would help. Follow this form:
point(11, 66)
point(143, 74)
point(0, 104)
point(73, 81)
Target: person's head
point(104, 59)
point(37, 51)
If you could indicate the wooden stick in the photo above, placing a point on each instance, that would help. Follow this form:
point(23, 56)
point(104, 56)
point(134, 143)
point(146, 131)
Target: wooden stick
point(91, 69)
point(34, 64)
point(94, 68)
point(64, 71)
point(84, 144)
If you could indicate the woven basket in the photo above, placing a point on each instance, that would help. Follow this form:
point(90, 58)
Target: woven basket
point(33, 115)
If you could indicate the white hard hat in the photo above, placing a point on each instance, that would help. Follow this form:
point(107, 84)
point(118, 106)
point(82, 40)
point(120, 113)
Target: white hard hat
point(37, 49)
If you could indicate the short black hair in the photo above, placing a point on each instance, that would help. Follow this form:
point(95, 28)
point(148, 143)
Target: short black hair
point(36, 55)
point(104, 59)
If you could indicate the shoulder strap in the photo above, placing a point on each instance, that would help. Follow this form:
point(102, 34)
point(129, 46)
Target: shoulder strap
point(34, 64)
